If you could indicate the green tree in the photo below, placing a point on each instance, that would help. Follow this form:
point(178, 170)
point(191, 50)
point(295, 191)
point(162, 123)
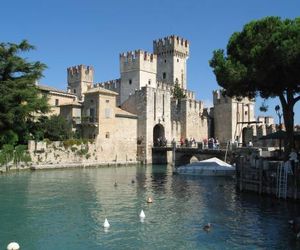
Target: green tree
point(21, 155)
point(57, 128)
point(178, 92)
point(263, 59)
point(6, 155)
point(19, 97)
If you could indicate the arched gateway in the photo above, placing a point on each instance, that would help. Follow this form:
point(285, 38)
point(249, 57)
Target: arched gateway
point(158, 135)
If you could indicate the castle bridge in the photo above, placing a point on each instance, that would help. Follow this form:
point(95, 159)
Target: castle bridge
point(183, 155)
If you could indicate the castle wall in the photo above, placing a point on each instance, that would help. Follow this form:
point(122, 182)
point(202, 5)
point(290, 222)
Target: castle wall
point(188, 115)
point(152, 106)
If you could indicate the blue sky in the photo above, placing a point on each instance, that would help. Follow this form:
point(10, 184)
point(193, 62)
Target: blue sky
point(94, 32)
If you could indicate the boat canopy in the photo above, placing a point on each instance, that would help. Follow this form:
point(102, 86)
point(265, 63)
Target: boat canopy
point(212, 162)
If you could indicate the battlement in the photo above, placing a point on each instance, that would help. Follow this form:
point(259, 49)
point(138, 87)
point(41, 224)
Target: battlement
point(189, 94)
point(171, 44)
point(80, 73)
point(268, 120)
point(164, 85)
point(137, 55)
point(138, 60)
point(219, 98)
point(168, 86)
point(112, 84)
point(80, 70)
point(188, 106)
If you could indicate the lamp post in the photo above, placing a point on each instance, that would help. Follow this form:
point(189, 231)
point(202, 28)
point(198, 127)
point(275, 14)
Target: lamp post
point(277, 109)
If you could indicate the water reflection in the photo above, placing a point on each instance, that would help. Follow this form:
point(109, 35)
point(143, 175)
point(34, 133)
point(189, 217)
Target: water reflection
point(66, 209)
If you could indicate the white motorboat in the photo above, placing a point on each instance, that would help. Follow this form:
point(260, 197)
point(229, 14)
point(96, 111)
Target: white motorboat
point(209, 167)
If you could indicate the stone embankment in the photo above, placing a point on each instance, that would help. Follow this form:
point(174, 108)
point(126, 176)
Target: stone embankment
point(73, 154)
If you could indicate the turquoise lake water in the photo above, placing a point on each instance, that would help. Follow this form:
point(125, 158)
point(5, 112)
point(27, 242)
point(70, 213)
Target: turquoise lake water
point(65, 209)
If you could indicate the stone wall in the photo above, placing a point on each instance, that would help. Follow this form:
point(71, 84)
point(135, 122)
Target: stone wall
point(60, 153)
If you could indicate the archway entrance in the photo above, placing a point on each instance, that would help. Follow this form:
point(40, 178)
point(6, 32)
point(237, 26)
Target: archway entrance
point(159, 135)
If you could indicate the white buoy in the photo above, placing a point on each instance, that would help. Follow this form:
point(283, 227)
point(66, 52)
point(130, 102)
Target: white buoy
point(142, 214)
point(13, 246)
point(106, 224)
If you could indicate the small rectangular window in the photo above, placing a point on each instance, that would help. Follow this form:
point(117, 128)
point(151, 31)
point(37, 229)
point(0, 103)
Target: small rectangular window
point(56, 102)
point(107, 113)
point(130, 81)
point(74, 90)
point(107, 101)
point(92, 115)
point(107, 135)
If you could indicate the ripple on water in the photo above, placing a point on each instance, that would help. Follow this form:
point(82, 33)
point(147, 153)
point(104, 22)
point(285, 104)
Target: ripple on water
point(65, 209)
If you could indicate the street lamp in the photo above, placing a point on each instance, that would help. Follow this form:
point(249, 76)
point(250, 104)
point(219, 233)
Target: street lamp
point(277, 109)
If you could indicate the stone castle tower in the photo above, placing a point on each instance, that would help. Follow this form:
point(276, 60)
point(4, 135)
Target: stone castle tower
point(80, 79)
point(138, 69)
point(172, 53)
point(232, 117)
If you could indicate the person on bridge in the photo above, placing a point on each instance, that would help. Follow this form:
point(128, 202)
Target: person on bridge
point(217, 143)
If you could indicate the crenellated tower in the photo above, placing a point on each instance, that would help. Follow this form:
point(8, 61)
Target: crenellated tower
point(138, 69)
point(232, 117)
point(172, 54)
point(80, 79)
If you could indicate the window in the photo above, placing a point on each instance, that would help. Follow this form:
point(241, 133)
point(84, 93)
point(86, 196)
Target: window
point(130, 81)
point(74, 91)
point(165, 61)
point(107, 113)
point(177, 60)
point(107, 135)
point(164, 75)
point(149, 82)
point(246, 112)
point(107, 101)
point(92, 115)
point(56, 102)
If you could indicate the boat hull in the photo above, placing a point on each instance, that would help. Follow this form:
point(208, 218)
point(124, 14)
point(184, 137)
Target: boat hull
point(208, 167)
point(205, 172)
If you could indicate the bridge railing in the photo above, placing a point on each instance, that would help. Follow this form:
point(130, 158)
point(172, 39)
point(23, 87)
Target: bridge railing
point(198, 145)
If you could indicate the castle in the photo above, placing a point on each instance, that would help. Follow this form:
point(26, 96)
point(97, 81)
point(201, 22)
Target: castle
point(135, 111)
